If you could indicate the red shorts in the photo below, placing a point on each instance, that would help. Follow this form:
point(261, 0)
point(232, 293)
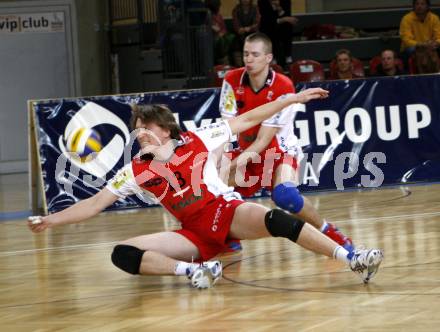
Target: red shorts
point(209, 231)
point(264, 170)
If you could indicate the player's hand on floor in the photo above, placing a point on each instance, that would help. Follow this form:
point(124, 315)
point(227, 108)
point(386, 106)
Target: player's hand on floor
point(37, 223)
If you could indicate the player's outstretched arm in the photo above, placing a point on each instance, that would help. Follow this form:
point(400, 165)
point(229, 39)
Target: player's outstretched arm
point(76, 213)
point(261, 113)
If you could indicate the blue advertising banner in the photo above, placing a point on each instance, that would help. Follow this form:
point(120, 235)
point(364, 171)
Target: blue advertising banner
point(62, 124)
point(368, 133)
point(372, 132)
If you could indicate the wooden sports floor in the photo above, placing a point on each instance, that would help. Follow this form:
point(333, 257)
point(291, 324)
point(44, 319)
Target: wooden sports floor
point(63, 280)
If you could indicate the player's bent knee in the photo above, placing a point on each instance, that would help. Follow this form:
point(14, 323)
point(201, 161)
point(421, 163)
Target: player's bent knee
point(282, 224)
point(287, 196)
point(127, 258)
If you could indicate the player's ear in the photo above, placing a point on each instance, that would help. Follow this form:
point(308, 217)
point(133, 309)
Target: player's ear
point(269, 57)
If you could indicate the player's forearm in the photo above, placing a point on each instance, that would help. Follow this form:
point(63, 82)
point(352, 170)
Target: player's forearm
point(260, 144)
point(76, 213)
point(261, 113)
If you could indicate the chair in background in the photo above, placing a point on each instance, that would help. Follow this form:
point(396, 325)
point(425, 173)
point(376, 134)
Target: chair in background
point(219, 74)
point(306, 71)
point(376, 60)
point(276, 67)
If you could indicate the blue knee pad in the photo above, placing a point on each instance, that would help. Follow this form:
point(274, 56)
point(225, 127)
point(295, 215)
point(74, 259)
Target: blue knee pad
point(288, 197)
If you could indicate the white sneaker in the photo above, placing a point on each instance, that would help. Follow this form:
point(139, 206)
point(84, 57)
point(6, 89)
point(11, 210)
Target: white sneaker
point(366, 262)
point(206, 275)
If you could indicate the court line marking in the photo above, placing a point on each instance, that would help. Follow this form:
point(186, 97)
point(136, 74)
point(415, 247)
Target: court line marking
point(254, 283)
point(390, 217)
point(72, 247)
point(88, 245)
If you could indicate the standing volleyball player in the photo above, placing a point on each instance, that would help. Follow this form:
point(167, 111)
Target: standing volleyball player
point(180, 170)
point(273, 142)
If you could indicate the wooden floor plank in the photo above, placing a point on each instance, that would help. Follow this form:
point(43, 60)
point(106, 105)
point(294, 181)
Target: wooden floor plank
point(63, 280)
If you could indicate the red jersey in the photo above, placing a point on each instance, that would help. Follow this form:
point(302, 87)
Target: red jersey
point(187, 183)
point(238, 97)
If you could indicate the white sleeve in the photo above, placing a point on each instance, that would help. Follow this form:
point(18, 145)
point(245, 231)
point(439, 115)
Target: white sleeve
point(282, 118)
point(124, 183)
point(215, 134)
point(228, 105)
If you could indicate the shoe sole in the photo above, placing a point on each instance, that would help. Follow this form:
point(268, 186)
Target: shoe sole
point(217, 278)
point(374, 259)
point(213, 278)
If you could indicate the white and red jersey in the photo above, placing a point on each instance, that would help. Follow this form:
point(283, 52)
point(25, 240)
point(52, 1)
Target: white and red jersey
point(238, 97)
point(186, 183)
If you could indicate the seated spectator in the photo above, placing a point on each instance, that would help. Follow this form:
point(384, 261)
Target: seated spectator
point(222, 39)
point(426, 60)
point(246, 19)
point(419, 27)
point(277, 23)
point(388, 65)
point(344, 66)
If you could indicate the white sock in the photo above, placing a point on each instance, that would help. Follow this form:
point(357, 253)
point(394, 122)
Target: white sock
point(324, 226)
point(341, 254)
point(184, 268)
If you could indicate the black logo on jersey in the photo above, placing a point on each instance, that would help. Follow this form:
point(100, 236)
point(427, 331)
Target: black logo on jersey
point(188, 201)
point(240, 103)
point(152, 182)
point(158, 181)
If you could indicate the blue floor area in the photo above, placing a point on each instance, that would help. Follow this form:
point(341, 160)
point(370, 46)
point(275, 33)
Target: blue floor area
point(4, 216)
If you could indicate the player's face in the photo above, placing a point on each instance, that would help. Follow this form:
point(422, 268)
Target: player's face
point(420, 7)
point(343, 62)
point(151, 135)
point(255, 57)
point(387, 60)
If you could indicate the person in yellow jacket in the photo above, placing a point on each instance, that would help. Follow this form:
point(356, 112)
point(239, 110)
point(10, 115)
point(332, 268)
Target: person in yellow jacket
point(419, 27)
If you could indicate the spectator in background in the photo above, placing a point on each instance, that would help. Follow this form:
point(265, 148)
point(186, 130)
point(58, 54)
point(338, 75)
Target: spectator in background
point(426, 60)
point(388, 65)
point(246, 19)
point(222, 39)
point(277, 23)
point(419, 27)
point(344, 66)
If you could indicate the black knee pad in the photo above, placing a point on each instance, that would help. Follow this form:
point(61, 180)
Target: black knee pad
point(282, 224)
point(127, 258)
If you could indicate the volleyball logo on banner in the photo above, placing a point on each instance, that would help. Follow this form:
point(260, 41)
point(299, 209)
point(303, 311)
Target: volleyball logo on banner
point(84, 143)
point(81, 144)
